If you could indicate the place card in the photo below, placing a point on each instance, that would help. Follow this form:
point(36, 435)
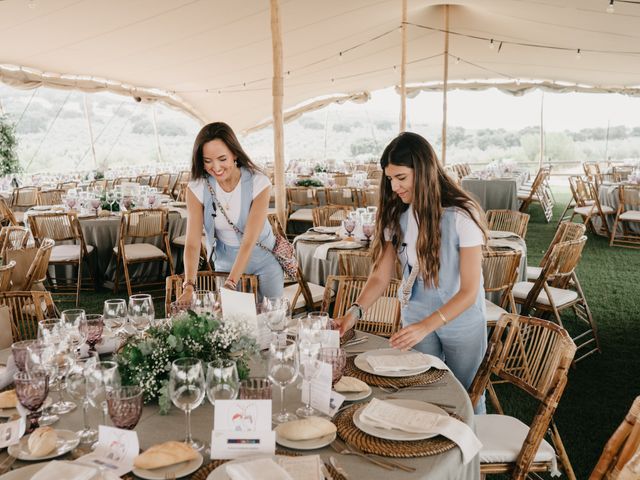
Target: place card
point(238, 305)
point(323, 398)
point(115, 451)
point(11, 432)
point(242, 427)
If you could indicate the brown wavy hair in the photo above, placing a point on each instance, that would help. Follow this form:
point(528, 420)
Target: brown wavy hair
point(218, 131)
point(433, 191)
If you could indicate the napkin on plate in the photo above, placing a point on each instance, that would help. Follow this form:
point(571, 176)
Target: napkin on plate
point(404, 361)
point(381, 414)
point(260, 469)
point(66, 470)
point(323, 250)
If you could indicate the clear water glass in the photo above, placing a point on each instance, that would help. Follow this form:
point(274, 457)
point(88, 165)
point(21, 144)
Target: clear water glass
point(309, 364)
point(102, 378)
point(141, 312)
point(114, 313)
point(282, 370)
point(222, 380)
point(204, 301)
point(187, 391)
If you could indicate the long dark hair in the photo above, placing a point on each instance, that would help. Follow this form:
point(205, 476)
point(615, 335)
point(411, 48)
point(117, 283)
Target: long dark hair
point(219, 131)
point(433, 191)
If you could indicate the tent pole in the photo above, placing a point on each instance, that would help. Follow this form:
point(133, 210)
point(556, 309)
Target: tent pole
point(278, 118)
point(155, 130)
point(87, 116)
point(541, 130)
point(443, 157)
point(403, 70)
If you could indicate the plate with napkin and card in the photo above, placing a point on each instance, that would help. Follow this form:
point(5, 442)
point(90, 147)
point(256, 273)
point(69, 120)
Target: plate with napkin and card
point(277, 467)
point(390, 362)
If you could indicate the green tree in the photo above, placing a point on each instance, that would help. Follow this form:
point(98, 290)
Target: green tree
point(9, 162)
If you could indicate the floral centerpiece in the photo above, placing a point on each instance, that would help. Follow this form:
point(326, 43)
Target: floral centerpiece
point(146, 361)
point(309, 182)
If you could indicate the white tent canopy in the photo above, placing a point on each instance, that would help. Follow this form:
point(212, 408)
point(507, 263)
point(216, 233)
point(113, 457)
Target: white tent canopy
point(212, 58)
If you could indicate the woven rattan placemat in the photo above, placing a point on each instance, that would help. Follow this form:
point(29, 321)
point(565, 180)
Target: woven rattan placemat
point(387, 448)
point(348, 335)
point(430, 376)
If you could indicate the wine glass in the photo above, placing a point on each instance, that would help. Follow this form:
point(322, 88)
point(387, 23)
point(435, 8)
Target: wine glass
point(309, 361)
point(141, 311)
point(77, 387)
point(114, 314)
point(91, 327)
point(19, 352)
point(283, 370)
point(276, 312)
point(337, 358)
point(125, 406)
point(367, 231)
point(71, 320)
point(349, 226)
point(95, 204)
point(32, 390)
point(102, 378)
point(203, 301)
point(41, 360)
point(70, 201)
point(151, 199)
point(222, 380)
point(187, 390)
point(309, 327)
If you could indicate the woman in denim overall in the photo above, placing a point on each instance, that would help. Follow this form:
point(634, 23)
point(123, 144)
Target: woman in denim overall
point(221, 168)
point(435, 230)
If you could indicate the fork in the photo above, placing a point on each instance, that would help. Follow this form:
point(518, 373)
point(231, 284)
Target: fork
point(393, 389)
point(343, 449)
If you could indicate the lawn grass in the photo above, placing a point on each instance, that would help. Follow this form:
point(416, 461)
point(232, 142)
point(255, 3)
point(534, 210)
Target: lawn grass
point(602, 387)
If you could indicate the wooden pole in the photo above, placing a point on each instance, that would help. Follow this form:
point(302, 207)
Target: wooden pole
point(403, 70)
point(278, 118)
point(87, 116)
point(443, 157)
point(541, 130)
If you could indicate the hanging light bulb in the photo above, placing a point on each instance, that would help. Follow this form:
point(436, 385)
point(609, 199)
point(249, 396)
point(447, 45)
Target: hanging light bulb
point(457, 60)
point(610, 8)
point(578, 55)
point(340, 56)
point(492, 45)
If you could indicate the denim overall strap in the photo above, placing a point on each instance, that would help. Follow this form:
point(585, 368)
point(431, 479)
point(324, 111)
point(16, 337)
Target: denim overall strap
point(209, 221)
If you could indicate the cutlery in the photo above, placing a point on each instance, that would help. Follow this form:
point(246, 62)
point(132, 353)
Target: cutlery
point(394, 463)
point(344, 449)
point(355, 341)
point(338, 467)
point(325, 472)
point(394, 389)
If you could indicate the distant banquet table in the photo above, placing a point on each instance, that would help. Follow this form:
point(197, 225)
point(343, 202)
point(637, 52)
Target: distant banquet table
point(493, 194)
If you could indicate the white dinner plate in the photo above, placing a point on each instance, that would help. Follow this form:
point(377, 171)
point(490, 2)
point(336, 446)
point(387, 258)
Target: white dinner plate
point(361, 362)
point(220, 473)
point(325, 229)
point(311, 444)
point(355, 396)
point(26, 473)
point(348, 245)
point(392, 434)
point(172, 471)
point(318, 237)
point(67, 441)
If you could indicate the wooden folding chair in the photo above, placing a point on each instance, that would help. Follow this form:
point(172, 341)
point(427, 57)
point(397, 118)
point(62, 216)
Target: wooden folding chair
point(383, 318)
point(355, 264)
point(588, 206)
point(144, 179)
point(13, 238)
point(565, 232)
point(342, 196)
point(180, 184)
point(628, 214)
point(36, 274)
point(162, 182)
point(331, 216)
point(139, 225)
point(341, 179)
point(300, 202)
point(7, 216)
point(5, 276)
point(211, 281)
point(591, 169)
point(539, 193)
point(508, 221)
point(22, 199)
point(557, 289)
point(51, 197)
point(26, 310)
point(500, 272)
point(65, 187)
point(532, 355)
point(620, 458)
point(70, 248)
point(370, 197)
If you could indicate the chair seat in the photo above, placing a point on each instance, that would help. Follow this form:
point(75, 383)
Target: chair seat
point(502, 437)
point(182, 240)
point(302, 215)
point(141, 251)
point(533, 273)
point(67, 253)
point(317, 292)
point(591, 210)
point(560, 296)
point(493, 311)
point(19, 216)
point(630, 216)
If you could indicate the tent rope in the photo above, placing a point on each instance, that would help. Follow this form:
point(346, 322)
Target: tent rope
point(35, 90)
point(95, 140)
point(104, 160)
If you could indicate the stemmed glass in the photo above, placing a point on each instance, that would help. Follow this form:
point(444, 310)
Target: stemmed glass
point(222, 380)
point(337, 358)
point(125, 406)
point(52, 332)
point(71, 319)
point(114, 314)
point(276, 312)
point(283, 370)
point(349, 225)
point(95, 204)
point(77, 387)
point(70, 201)
point(141, 311)
point(102, 378)
point(19, 352)
point(309, 327)
point(187, 390)
point(367, 231)
point(41, 360)
point(309, 360)
point(91, 327)
point(203, 301)
point(32, 390)
point(111, 199)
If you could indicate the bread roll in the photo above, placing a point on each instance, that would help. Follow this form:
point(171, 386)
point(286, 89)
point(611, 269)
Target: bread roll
point(305, 429)
point(8, 399)
point(165, 454)
point(42, 441)
point(350, 384)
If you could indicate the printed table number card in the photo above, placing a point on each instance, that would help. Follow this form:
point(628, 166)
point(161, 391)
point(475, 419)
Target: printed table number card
point(242, 427)
point(11, 432)
point(115, 451)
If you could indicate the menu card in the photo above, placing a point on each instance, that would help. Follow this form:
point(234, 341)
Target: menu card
point(115, 451)
point(323, 398)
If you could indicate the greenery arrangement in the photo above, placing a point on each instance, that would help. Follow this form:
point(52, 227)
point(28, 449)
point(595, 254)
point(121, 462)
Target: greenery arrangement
point(320, 168)
point(9, 162)
point(309, 182)
point(147, 361)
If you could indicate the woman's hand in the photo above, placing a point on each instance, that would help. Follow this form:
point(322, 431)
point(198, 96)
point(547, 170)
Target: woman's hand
point(345, 322)
point(187, 296)
point(407, 337)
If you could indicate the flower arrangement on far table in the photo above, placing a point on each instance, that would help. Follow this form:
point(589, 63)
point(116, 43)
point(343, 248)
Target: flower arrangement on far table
point(309, 182)
point(147, 361)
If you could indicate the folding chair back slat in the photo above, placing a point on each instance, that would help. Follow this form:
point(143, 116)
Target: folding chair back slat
point(508, 221)
point(330, 216)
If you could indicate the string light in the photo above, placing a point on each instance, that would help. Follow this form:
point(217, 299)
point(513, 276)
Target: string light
point(340, 56)
point(610, 8)
point(578, 55)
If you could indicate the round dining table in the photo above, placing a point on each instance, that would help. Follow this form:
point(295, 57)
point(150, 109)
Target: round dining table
point(154, 428)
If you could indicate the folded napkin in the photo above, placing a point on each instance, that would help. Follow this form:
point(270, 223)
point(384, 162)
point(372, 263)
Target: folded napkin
point(315, 237)
point(6, 373)
point(66, 470)
point(381, 414)
point(323, 250)
point(261, 469)
point(404, 361)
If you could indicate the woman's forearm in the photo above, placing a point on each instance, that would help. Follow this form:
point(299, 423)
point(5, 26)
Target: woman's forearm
point(190, 260)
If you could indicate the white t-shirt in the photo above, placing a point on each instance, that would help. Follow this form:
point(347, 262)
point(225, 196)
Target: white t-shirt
point(224, 231)
point(469, 233)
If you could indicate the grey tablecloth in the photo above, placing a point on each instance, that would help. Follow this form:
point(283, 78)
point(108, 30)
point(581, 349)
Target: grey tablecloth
point(498, 194)
point(316, 270)
point(609, 195)
point(155, 428)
